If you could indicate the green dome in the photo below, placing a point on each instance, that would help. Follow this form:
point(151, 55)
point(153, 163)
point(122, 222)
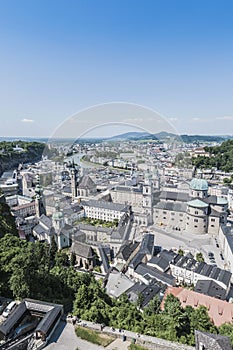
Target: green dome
point(199, 184)
point(57, 215)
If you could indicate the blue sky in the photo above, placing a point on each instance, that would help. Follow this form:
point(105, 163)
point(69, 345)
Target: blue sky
point(61, 56)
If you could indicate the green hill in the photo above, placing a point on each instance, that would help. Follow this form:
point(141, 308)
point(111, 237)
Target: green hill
point(221, 157)
point(7, 221)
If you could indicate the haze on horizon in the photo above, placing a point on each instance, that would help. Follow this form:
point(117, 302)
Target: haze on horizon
point(60, 57)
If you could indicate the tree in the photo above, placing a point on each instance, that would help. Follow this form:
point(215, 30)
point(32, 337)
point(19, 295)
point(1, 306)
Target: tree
point(178, 321)
point(180, 251)
point(153, 306)
point(227, 330)
point(61, 258)
point(140, 300)
point(200, 320)
point(199, 257)
point(53, 251)
point(72, 259)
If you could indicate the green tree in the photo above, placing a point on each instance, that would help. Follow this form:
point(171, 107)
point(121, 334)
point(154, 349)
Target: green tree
point(227, 330)
point(53, 251)
point(199, 257)
point(72, 259)
point(153, 306)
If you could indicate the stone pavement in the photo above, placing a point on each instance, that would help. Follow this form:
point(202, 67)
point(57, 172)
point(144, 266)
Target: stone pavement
point(118, 344)
point(64, 338)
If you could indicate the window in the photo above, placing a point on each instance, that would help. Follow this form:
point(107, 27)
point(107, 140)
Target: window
point(195, 220)
point(213, 220)
point(195, 226)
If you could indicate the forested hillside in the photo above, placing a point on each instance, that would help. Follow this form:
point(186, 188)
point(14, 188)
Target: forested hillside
point(7, 221)
point(221, 157)
point(10, 158)
point(38, 271)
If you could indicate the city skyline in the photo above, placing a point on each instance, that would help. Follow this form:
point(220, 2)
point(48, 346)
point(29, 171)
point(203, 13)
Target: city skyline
point(59, 58)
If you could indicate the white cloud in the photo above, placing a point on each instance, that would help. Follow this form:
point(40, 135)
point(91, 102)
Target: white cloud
point(25, 120)
point(227, 117)
point(196, 119)
point(172, 119)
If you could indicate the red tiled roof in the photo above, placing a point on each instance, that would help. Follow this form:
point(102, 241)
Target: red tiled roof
point(219, 311)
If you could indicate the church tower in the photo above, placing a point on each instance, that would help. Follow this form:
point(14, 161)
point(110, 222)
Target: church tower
point(58, 218)
point(74, 179)
point(62, 235)
point(148, 195)
point(40, 209)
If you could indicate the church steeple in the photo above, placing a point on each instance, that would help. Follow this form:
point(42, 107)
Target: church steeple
point(40, 209)
point(74, 178)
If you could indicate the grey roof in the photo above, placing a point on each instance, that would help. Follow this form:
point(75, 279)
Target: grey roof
point(47, 321)
point(126, 250)
point(203, 269)
point(87, 183)
point(39, 230)
point(50, 310)
point(66, 189)
point(147, 291)
point(104, 259)
point(147, 245)
point(210, 288)
point(212, 341)
point(128, 189)
point(173, 206)
point(82, 250)
point(159, 262)
point(137, 259)
point(174, 196)
point(145, 270)
point(215, 213)
point(105, 205)
point(45, 220)
point(13, 319)
point(214, 200)
point(116, 234)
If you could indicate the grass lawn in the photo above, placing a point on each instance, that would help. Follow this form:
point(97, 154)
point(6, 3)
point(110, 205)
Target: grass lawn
point(136, 347)
point(93, 336)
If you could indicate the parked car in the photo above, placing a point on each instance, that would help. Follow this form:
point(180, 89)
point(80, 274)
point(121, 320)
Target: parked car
point(8, 310)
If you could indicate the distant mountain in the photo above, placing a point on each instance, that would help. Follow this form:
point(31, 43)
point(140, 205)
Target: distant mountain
point(163, 136)
point(133, 135)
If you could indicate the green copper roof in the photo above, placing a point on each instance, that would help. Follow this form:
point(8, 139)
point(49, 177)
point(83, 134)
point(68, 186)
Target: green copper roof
point(197, 203)
point(199, 184)
point(221, 200)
